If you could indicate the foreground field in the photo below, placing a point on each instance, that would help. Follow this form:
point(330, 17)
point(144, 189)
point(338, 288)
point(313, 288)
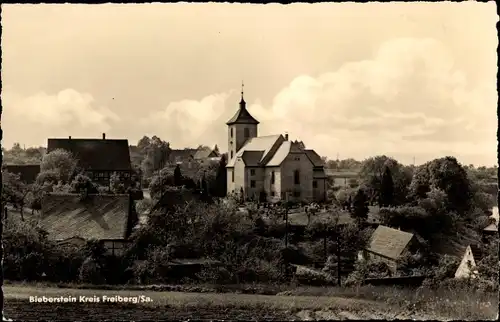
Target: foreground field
point(227, 306)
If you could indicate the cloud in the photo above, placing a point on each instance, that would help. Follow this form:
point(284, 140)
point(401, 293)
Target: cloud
point(189, 122)
point(68, 112)
point(409, 93)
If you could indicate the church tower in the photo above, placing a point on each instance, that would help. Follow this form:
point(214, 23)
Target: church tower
point(241, 127)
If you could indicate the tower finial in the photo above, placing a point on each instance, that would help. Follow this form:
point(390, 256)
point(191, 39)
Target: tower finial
point(242, 86)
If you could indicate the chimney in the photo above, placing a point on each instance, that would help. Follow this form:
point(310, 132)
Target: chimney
point(70, 137)
point(104, 136)
point(286, 136)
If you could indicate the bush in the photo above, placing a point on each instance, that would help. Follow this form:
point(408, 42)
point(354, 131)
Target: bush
point(91, 272)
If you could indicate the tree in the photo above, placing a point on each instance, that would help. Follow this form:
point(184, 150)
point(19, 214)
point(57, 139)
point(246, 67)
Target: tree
point(60, 163)
point(447, 175)
point(221, 178)
point(386, 189)
point(360, 206)
point(177, 176)
point(14, 191)
point(157, 153)
point(372, 172)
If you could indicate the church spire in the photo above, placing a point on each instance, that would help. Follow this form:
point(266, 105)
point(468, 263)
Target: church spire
point(242, 102)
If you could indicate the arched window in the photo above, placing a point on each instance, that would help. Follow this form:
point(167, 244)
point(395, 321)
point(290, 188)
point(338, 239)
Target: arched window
point(246, 133)
point(231, 130)
point(272, 177)
point(231, 154)
point(296, 176)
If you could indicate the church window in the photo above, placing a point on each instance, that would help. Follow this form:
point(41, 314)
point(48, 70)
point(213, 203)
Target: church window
point(273, 193)
point(246, 133)
point(296, 194)
point(252, 183)
point(315, 184)
point(296, 176)
point(252, 172)
point(232, 173)
point(231, 154)
point(231, 132)
point(272, 177)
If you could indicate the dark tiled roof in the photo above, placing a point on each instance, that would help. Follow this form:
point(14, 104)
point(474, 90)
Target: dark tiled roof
point(96, 154)
point(242, 116)
point(99, 217)
point(314, 157)
point(181, 155)
point(205, 152)
point(252, 158)
point(27, 172)
point(389, 242)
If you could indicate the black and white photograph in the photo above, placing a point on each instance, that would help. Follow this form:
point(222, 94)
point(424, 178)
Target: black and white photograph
point(249, 162)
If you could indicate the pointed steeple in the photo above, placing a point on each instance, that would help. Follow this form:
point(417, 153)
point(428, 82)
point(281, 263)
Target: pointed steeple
point(242, 101)
point(242, 116)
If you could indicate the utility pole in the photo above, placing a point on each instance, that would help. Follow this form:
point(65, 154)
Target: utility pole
point(338, 259)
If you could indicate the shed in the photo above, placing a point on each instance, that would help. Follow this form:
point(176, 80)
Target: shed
point(389, 245)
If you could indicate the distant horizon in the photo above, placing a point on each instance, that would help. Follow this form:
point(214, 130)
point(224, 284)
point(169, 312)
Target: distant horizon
point(223, 152)
point(407, 79)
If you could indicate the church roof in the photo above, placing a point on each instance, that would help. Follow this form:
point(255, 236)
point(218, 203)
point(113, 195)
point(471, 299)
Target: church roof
point(280, 154)
point(252, 158)
point(314, 157)
point(262, 143)
point(242, 116)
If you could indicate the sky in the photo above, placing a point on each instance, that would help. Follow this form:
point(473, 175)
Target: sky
point(415, 81)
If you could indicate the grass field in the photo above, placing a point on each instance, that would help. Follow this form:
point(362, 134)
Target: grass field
point(300, 304)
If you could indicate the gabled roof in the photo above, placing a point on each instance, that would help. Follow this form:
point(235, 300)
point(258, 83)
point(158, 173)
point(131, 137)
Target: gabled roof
point(181, 155)
point(280, 154)
point(261, 143)
point(242, 116)
point(389, 242)
point(252, 158)
point(27, 172)
point(205, 152)
point(96, 154)
point(99, 217)
point(315, 158)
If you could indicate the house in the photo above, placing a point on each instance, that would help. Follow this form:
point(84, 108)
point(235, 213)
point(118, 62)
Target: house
point(471, 256)
point(98, 158)
point(205, 154)
point(342, 178)
point(271, 167)
point(178, 156)
point(27, 172)
point(492, 229)
point(389, 245)
point(107, 218)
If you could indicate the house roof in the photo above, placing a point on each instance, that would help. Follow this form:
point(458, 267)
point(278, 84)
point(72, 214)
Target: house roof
point(205, 152)
point(252, 158)
point(389, 242)
point(493, 226)
point(96, 154)
point(64, 216)
point(27, 172)
point(341, 174)
point(261, 143)
point(242, 116)
point(315, 158)
point(280, 154)
point(183, 154)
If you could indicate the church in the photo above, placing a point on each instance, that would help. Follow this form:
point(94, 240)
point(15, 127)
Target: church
point(271, 167)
